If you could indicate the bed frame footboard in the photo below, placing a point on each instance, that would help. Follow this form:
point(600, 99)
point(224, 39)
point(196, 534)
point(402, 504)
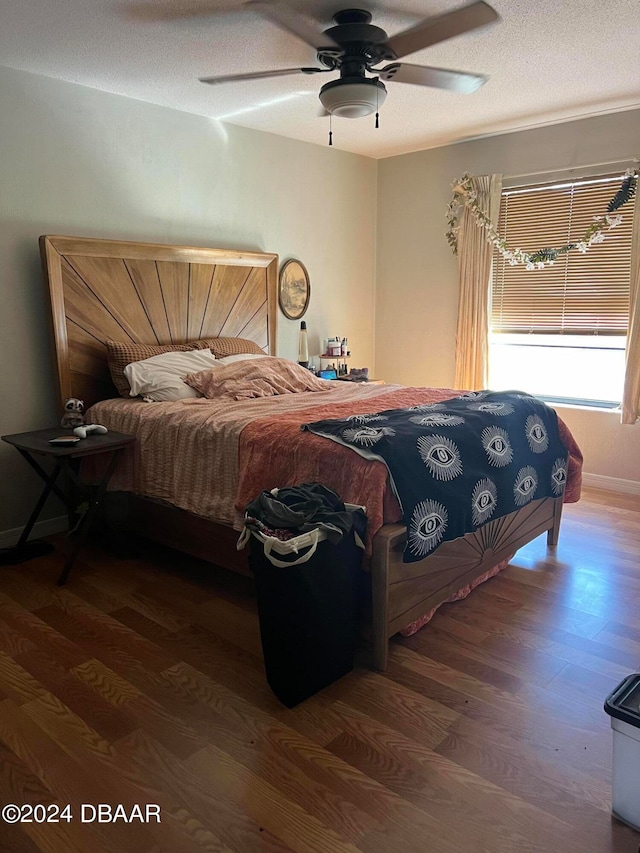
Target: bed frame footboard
point(402, 592)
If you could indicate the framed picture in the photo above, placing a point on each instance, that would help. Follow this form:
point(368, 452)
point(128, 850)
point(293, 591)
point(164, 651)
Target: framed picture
point(294, 289)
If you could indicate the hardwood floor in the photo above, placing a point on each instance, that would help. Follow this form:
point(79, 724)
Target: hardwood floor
point(141, 682)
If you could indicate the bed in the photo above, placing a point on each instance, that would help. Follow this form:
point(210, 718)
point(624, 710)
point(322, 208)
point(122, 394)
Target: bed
point(156, 294)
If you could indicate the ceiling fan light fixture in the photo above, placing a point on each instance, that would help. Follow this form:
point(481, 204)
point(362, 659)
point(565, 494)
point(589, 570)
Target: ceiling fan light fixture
point(353, 97)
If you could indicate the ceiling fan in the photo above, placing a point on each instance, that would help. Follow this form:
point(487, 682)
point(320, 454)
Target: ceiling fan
point(355, 47)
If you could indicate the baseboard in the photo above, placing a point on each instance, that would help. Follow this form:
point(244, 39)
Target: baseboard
point(48, 527)
point(611, 484)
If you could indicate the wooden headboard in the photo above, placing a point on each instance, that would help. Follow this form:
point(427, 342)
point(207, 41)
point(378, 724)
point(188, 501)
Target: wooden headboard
point(152, 294)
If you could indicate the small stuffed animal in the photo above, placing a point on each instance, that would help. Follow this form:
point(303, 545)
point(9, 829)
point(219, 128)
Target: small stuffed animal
point(73, 416)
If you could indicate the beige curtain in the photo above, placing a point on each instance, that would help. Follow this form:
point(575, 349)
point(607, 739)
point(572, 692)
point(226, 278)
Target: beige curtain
point(631, 392)
point(475, 257)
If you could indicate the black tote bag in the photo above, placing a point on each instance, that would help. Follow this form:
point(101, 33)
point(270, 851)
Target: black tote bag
point(308, 614)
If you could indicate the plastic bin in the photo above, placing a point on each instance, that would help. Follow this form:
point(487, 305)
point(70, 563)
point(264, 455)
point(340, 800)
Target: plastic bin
point(623, 706)
point(308, 592)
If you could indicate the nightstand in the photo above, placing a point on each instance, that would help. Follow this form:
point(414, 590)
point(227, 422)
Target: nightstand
point(67, 460)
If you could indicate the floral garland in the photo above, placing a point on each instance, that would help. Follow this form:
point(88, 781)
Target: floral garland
point(465, 195)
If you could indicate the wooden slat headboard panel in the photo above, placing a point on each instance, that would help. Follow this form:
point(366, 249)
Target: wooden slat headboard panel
point(153, 294)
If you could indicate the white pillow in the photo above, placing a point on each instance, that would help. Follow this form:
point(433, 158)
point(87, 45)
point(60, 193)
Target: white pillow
point(159, 378)
point(241, 356)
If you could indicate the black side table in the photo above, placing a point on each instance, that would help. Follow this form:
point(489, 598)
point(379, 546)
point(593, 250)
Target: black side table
point(33, 444)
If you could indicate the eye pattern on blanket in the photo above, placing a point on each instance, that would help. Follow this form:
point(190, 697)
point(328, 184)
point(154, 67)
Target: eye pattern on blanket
point(458, 464)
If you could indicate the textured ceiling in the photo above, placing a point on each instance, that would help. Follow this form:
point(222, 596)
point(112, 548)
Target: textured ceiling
point(548, 61)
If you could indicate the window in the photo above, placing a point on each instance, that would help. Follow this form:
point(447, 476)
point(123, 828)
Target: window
point(560, 332)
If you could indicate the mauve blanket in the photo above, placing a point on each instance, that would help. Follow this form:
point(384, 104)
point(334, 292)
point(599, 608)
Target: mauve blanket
point(186, 451)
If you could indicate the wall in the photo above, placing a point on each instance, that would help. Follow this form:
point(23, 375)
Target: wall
point(77, 161)
point(417, 285)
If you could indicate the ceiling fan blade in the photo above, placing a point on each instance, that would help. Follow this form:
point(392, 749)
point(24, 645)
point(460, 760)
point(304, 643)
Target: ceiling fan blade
point(304, 27)
point(437, 78)
point(257, 75)
point(443, 27)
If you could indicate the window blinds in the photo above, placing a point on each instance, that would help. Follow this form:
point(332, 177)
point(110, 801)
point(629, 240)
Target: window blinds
point(581, 293)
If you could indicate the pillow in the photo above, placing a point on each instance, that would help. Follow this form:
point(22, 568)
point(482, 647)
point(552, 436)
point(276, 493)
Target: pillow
point(159, 378)
point(260, 377)
point(241, 356)
point(222, 347)
point(119, 355)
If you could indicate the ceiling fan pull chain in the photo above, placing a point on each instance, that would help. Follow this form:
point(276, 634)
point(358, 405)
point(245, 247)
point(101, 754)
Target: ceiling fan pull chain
point(377, 93)
point(330, 131)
